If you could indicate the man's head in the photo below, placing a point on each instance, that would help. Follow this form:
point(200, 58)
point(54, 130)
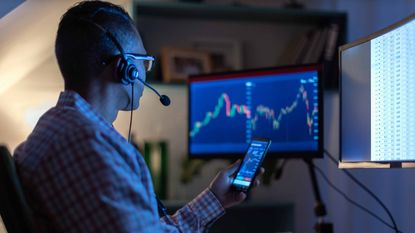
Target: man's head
point(86, 53)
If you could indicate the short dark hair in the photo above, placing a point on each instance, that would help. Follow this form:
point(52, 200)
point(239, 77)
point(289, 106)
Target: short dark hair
point(80, 47)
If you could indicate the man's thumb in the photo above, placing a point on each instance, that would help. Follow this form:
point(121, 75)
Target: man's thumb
point(233, 168)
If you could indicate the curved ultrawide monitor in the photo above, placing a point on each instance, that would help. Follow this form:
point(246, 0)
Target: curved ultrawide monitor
point(283, 104)
point(377, 76)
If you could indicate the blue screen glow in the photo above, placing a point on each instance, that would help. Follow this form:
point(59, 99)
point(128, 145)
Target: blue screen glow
point(227, 111)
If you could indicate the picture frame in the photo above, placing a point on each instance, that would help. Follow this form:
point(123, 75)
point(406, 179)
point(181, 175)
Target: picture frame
point(179, 63)
point(225, 54)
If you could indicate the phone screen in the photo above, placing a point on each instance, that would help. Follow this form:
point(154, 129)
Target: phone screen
point(249, 166)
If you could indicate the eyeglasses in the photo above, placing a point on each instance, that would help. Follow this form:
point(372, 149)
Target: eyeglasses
point(148, 60)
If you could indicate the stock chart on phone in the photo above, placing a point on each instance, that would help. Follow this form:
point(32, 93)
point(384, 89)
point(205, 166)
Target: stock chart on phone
point(250, 164)
point(225, 113)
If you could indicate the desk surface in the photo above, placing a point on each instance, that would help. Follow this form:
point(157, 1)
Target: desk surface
point(250, 216)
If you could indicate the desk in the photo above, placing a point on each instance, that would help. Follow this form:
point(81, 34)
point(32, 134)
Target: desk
point(250, 217)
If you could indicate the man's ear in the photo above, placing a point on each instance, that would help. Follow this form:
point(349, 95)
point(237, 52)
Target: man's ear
point(115, 67)
point(112, 70)
point(109, 73)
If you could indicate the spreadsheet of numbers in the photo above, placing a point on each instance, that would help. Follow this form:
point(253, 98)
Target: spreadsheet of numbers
point(393, 95)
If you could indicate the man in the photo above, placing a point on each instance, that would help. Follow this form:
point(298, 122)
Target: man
point(78, 172)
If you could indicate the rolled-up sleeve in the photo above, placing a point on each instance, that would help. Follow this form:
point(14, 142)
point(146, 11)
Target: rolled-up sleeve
point(198, 215)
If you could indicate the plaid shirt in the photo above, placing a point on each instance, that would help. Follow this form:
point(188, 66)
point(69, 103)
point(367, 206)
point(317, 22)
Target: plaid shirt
point(81, 175)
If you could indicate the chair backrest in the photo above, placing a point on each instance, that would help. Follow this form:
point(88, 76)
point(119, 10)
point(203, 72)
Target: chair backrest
point(14, 209)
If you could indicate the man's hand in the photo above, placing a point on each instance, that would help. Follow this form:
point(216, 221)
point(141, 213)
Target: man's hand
point(221, 186)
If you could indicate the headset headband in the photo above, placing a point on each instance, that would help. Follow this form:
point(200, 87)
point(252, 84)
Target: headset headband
point(107, 32)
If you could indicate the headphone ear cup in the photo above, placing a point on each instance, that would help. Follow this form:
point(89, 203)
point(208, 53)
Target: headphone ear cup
point(132, 72)
point(127, 71)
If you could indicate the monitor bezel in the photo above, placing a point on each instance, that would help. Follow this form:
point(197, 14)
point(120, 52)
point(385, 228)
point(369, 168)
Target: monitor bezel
point(319, 153)
point(364, 164)
point(376, 34)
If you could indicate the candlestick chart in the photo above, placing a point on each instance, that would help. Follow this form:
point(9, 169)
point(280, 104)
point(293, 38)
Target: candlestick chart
point(233, 112)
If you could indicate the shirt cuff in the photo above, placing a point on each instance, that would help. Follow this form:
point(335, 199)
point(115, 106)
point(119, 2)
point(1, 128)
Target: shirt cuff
point(207, 207)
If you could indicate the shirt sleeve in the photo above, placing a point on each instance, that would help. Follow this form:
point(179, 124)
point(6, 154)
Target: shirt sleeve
point(198, 215)
point(92, 188)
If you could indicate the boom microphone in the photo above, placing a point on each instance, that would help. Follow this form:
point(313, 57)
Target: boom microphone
point(164, 99)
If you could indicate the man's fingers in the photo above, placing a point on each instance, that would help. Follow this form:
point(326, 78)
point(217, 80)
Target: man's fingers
point(240, 196)
point(261, 171)
point(257, 180)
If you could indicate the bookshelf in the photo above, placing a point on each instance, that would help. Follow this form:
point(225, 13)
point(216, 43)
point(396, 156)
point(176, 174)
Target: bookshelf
point(233, 12)
point(266, 36)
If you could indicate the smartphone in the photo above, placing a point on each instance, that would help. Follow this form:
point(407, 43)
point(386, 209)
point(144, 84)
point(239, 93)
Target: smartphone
point(252, 162)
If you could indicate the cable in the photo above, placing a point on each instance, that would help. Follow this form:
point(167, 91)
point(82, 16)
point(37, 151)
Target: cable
point(318, 169)
point(160, 205)
point(366, 189)
point(131, 112)
point(354, 179)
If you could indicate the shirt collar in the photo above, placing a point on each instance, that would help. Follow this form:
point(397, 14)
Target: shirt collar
point(72, 99)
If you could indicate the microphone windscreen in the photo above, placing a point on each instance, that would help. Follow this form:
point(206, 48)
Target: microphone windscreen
point(165, 100)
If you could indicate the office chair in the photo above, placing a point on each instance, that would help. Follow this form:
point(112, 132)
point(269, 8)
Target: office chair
point(14, 210)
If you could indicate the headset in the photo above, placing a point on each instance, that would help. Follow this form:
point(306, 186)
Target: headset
point(127, 70)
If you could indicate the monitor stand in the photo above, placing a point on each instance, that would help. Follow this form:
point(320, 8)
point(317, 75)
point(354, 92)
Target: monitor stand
point(319, 209)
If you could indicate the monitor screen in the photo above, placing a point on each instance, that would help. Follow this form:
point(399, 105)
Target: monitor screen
point(283, 104)
point(377, 76)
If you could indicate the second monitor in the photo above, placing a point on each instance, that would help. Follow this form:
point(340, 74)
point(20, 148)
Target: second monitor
point(284, 104)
